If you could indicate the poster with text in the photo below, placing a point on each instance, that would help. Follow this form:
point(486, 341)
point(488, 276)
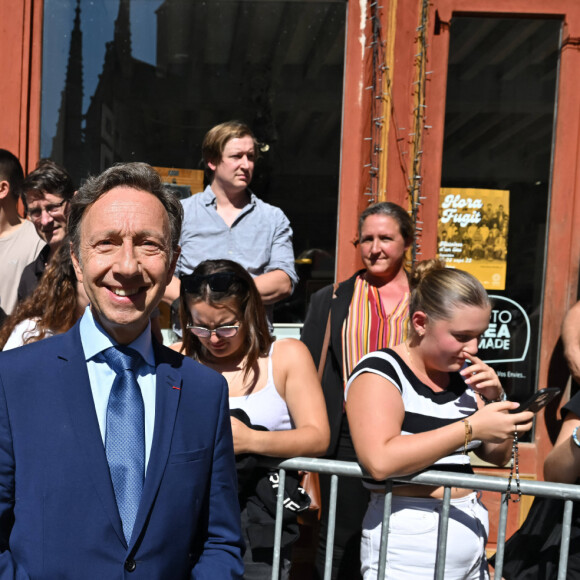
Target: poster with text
point(472, 232)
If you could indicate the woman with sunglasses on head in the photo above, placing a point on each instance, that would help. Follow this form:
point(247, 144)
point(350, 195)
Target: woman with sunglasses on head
point(274, 383)
point(423, 405)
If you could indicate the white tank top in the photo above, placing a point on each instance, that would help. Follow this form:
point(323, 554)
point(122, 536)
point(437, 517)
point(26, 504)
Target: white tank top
point(265, 407)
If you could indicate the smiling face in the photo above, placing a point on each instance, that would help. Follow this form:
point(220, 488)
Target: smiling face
point(445, 344)
point(48, 213)
point(234, 171)
point(382, 246)
point(125, 260)
point(212, 317)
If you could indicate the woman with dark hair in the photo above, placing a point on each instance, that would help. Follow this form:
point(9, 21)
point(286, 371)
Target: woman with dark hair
point(273, 383)
point(55, 305)
point(424, 405)
point(360, 315)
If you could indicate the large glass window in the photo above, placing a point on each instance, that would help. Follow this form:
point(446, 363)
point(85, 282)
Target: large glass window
point(499, 120)
point(144, 80)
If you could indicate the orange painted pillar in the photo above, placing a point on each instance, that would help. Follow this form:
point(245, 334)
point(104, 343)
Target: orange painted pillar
point(356, 111)
point(20, 76)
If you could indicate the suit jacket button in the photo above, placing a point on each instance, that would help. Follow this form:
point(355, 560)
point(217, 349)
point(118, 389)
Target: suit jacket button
point(130, 565)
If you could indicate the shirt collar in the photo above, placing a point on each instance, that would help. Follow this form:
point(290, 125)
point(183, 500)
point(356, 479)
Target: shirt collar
point(41, 260)
point(208, 197)
point(95, 340)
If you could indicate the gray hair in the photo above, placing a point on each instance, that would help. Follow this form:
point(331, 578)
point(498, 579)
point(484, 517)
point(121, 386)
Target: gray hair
point(139, 176)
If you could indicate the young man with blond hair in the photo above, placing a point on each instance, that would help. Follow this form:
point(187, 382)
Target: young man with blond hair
point(227, 220)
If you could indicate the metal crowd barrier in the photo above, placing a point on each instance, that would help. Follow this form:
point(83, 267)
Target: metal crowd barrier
point(336, 469)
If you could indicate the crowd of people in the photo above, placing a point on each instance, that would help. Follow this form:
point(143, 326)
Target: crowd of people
point(125, 455)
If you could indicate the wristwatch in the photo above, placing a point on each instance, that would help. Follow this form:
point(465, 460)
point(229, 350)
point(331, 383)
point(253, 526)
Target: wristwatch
point(502, 397)
point(575, 436)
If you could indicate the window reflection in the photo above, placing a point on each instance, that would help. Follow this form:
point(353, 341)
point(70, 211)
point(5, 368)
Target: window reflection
point(499, 119)
point(145, 79)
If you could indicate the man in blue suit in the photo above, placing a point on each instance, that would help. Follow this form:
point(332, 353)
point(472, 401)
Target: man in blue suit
point(115, 469)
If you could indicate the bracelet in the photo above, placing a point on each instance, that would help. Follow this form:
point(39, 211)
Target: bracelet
point(575, 436)
point(502, 397)
point(468, 435)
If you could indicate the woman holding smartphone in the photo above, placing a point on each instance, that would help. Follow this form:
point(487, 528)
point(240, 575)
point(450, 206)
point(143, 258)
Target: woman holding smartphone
point(424, 404)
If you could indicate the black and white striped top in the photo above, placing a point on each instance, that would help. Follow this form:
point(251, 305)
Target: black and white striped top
point(425, 409)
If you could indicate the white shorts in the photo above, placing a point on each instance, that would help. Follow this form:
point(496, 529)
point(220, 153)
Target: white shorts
point(412, 543)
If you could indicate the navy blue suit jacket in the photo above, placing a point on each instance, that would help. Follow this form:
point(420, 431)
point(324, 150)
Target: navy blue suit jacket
point(58, 516)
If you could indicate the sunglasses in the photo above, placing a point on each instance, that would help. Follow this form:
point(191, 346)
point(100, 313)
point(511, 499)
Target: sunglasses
point(217, 282)
point(220, 331)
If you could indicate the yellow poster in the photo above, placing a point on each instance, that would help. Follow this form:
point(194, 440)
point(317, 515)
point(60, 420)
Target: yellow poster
point(473, 231)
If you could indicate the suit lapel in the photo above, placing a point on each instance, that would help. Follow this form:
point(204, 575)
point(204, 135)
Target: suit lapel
point(168, 392)
point(76, 389)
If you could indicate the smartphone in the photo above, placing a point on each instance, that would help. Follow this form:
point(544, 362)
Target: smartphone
point(537, 401)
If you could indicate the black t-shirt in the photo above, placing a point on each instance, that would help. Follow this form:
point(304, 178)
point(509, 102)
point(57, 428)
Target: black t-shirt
point(572, 405)
point(32, 273)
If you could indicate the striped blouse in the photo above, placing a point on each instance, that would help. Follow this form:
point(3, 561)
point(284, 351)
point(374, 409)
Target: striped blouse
point(425, 409)
point(368, 327)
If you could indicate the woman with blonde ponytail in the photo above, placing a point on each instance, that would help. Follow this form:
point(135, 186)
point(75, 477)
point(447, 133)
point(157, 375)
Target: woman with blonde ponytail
point(425, 404)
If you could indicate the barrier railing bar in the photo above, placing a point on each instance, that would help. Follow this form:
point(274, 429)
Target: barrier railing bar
point(565, 544)
point(278, 525)
point(567, 492)
point(331, 527)
point(442, 535)
point(438, 478)
point(501, 529)
point(385, 529)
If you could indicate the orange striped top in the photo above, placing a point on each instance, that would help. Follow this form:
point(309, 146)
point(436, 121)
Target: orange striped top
point(368, 327)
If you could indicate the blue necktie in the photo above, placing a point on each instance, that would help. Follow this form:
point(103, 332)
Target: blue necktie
point(125, 434)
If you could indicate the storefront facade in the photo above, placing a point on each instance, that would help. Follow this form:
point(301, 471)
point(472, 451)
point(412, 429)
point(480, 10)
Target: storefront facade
point(356, 102)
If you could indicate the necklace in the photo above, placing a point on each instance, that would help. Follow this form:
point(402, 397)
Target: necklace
point(515, 467)
point(234, 376)
point(234, 372)
point(422, 371)
point(407, 350)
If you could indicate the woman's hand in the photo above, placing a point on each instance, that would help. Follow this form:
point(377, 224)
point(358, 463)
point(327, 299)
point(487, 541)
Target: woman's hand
point(242, 435)
point(493, 423)
point(481, 378)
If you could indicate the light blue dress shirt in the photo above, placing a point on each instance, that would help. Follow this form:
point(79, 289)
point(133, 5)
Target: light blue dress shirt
point(260, 239)
point(95, 340)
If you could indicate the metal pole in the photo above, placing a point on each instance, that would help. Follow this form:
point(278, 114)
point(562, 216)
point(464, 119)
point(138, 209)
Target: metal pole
point(442, 536)
point(501, 528)
point(278, 527)
point(385, 529)
point(565, 545)
point(331, 527)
